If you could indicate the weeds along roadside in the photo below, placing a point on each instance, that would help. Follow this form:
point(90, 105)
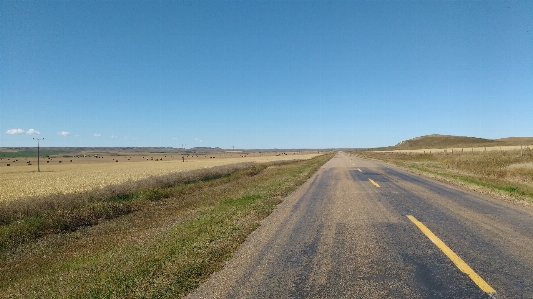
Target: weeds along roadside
point(28, 219)
point(491, 172)
point(163, 248)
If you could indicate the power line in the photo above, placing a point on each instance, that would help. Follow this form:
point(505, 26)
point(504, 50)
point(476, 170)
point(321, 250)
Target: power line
point(38, 153)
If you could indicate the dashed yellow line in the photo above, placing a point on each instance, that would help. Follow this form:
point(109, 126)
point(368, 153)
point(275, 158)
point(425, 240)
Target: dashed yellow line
point(372, 181)
point(482, 284)
point(359, 170)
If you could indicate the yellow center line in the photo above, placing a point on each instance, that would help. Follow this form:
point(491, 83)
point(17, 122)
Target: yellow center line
point(484, 286)
point(359, 170)
point(375, 184)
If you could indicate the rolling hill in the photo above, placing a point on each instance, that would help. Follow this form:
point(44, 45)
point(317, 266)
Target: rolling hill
point(447, 141)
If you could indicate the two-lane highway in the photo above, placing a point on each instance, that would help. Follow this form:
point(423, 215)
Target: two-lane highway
point(362, 229)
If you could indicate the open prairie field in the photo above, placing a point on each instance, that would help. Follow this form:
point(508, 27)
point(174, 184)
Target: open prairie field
point(458, 144)
point(505, 148)
point(62, 175)
point(157, 237)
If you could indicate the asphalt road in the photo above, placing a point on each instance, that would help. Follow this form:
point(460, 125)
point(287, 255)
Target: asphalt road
point(342, 236)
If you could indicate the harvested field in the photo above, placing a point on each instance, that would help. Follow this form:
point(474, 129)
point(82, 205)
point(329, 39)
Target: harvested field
point(82, 174)
point(155, 238)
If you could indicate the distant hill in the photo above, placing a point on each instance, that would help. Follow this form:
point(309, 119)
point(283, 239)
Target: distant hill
point(517, 140)
point(446, 141)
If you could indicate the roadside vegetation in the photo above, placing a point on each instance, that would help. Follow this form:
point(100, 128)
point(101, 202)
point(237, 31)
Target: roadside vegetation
point(507, 173)
point(155, 238)
point(25, 220)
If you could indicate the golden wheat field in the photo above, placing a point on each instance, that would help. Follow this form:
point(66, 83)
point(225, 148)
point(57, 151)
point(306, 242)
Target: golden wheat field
point(21, 180)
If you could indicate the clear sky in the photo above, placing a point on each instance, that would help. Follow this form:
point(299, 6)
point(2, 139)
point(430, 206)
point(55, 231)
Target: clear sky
point(263, 74)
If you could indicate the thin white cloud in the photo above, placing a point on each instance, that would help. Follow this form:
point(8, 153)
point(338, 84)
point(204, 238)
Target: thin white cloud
point(63, 133)
point(33, 132)
point(97, 135)
point(174, 138)
point(15, 131)
point(113, 136)
point(198, 140)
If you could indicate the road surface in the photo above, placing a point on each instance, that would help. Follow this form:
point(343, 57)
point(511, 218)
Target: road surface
point(363, 229)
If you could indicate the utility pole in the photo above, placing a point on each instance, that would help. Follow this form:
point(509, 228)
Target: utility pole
point(38, 153)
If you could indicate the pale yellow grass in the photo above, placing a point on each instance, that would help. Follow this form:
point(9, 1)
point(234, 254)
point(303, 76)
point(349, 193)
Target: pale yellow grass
point(19, 182)
point(459, 150)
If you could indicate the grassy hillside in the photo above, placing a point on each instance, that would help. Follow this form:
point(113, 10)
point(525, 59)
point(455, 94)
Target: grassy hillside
point(445, 141)
point(517, 140)
point(448, 141)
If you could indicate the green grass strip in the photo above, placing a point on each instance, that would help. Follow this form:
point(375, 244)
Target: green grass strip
point(163, 249)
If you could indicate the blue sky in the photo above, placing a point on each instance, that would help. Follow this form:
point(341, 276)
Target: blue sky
point(263, 74)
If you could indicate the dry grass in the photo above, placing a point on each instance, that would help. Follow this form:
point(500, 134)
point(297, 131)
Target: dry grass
point(457, 150)
point(162, 249)
point(437, 141)
point(507, 171)
point(24, 220)
point(20, 180)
